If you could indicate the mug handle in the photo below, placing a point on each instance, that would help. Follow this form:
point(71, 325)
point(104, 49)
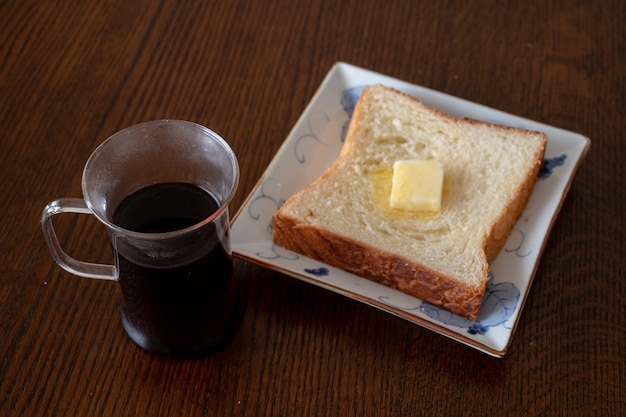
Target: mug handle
point(74, 266)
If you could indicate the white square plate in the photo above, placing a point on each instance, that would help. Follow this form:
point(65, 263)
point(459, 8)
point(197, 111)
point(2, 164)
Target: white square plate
point(314, 144)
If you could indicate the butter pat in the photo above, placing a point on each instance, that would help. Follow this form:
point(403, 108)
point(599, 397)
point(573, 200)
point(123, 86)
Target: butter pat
point(417, 185)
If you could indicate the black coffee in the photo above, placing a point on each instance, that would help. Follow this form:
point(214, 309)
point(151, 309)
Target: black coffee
point(184, 301)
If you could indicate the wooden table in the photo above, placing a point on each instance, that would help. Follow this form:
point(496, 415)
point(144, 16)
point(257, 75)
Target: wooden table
point(72, 73)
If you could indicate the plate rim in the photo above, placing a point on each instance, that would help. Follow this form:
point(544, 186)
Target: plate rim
point(336, 70)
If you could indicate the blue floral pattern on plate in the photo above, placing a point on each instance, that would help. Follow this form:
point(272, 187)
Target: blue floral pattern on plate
point(312, 146)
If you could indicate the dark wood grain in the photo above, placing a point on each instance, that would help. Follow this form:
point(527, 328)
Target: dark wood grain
point(74, 72)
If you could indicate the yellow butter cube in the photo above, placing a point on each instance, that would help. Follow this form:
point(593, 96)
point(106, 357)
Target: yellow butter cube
point(417, 185)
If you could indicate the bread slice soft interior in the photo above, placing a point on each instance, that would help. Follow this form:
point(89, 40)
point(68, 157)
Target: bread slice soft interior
point(345, 220)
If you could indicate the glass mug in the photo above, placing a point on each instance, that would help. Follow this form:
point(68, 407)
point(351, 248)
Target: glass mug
point(162, 190)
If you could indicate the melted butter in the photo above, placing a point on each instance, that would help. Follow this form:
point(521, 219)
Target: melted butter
point(381, 193)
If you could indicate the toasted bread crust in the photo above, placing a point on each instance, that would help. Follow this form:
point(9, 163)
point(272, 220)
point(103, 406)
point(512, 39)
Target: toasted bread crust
point(390, 269)
point(377, 265)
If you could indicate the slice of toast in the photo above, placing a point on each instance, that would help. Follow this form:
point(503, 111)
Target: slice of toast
point(344, 218)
